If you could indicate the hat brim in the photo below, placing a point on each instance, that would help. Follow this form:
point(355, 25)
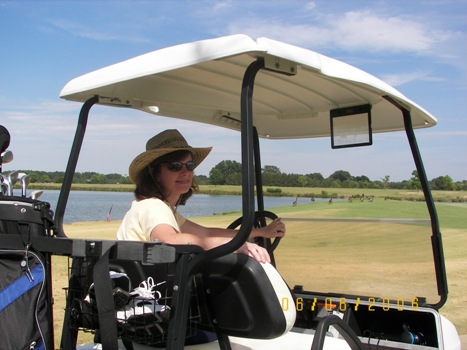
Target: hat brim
point(146, 158)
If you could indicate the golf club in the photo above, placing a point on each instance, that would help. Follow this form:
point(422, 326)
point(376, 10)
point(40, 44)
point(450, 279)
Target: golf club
point(24, 180)
point(11, 178)
point(5, 157)
point(35, 194)
point(4, 186)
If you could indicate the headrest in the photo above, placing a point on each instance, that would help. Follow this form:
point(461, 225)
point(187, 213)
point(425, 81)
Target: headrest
point(248, 299)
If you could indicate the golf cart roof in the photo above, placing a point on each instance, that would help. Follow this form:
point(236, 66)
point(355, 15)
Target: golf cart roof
point(201, 81)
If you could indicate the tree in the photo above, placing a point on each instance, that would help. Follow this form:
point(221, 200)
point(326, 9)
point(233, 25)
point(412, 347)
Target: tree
point(272, 179)
point(202, 179)
point(125, 180)
point(385, 181)
point(303, 180)
point(216, 177)
point(314, 179)
point(442, 183)
point(224, 170)
point(271, 169)
point(415, 181)
point(113, 178)
point(341, 175)
point(362, 178)
point(350, 184)
point(98, 179)
point(234, 179)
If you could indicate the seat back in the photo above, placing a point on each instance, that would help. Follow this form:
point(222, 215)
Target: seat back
point(247, 299)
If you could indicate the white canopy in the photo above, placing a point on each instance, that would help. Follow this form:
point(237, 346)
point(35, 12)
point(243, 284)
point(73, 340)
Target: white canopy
point(201, 81)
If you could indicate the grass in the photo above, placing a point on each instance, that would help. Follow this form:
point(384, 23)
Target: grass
point(321, 251)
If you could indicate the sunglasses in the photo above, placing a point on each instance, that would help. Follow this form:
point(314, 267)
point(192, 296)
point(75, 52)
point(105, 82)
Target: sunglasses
point(177, 166)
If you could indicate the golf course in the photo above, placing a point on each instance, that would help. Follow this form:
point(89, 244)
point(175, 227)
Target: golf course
point(343, 244)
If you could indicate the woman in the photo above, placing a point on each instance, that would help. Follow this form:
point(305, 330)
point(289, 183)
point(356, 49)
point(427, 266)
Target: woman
point(164, 179)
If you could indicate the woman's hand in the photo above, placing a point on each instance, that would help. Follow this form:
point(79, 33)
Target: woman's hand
point(255, 251)
point(274, 229)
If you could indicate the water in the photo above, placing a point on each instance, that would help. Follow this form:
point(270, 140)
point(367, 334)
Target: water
point(95, 206)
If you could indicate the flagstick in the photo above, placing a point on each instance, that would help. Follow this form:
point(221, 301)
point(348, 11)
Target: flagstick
point(110, 211)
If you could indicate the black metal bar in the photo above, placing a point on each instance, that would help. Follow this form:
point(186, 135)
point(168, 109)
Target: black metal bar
point(49, 286)
point(258, 177)
point(71, 167)
point(248, 182)
point(185, 267)
point(180, 305)
point(146, 252)
point(224, 341)
point(344, 330)
point(264, 242)
point(105, 301)
point(46, 245)
point(248, 171)
point(436, 239)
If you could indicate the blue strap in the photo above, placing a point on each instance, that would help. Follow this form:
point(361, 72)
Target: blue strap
point(19, 287)
point(39, 346)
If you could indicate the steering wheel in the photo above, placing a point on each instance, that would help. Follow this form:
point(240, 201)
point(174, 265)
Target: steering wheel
point(259, 215)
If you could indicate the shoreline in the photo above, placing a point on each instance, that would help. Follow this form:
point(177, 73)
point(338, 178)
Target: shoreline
point(279, 191)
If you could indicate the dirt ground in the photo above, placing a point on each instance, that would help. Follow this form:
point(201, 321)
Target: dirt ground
point(464, 342)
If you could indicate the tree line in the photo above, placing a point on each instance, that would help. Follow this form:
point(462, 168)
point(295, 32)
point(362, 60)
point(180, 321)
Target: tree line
point(229, 172)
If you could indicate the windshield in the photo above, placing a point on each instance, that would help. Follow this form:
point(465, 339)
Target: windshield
point(368, 242)
point(390, 258)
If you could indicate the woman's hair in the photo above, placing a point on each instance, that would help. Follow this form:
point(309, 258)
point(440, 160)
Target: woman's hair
point(148, 187)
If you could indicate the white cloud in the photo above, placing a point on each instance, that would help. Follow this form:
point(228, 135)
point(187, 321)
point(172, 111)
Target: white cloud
point(222, 5)
point(309, 6)
point(99, 34)
point(364, 29)
point(353, 30)
point(407, 77)
point(368, 33)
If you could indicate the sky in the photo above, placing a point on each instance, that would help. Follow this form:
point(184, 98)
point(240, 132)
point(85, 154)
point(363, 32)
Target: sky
point(417, 46)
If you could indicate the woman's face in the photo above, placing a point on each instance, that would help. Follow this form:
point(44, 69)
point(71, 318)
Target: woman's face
point(175, 183)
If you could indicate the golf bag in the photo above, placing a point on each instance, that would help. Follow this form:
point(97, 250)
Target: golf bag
point(25, 290)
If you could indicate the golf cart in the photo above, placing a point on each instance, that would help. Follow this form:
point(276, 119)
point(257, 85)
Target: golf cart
point(372, 281)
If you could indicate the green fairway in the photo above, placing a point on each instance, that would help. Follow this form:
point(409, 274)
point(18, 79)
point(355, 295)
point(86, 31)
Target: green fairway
point(450, 215)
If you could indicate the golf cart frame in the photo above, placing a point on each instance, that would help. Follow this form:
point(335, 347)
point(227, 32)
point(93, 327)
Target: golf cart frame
point(251, 180)
point(276, 60)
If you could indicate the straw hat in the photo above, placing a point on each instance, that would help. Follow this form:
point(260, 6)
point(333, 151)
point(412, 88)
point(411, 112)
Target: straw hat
point(163, 143)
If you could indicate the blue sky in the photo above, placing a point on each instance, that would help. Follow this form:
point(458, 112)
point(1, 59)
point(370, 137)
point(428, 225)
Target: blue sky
point(419, 47)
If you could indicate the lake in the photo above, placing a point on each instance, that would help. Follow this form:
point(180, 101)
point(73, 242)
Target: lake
point(94, 205)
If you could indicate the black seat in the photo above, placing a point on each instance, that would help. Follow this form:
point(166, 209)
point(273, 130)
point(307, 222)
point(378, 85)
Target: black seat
point(246, 298)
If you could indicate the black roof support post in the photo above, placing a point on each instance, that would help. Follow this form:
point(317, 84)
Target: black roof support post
point(436, 239)
point(248, 171)
point(71, 167)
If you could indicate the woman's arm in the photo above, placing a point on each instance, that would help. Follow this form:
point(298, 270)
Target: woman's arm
point(274, 229)
point(201, 236)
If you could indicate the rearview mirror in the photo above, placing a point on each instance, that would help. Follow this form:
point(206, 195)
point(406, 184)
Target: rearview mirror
point(351, 126)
